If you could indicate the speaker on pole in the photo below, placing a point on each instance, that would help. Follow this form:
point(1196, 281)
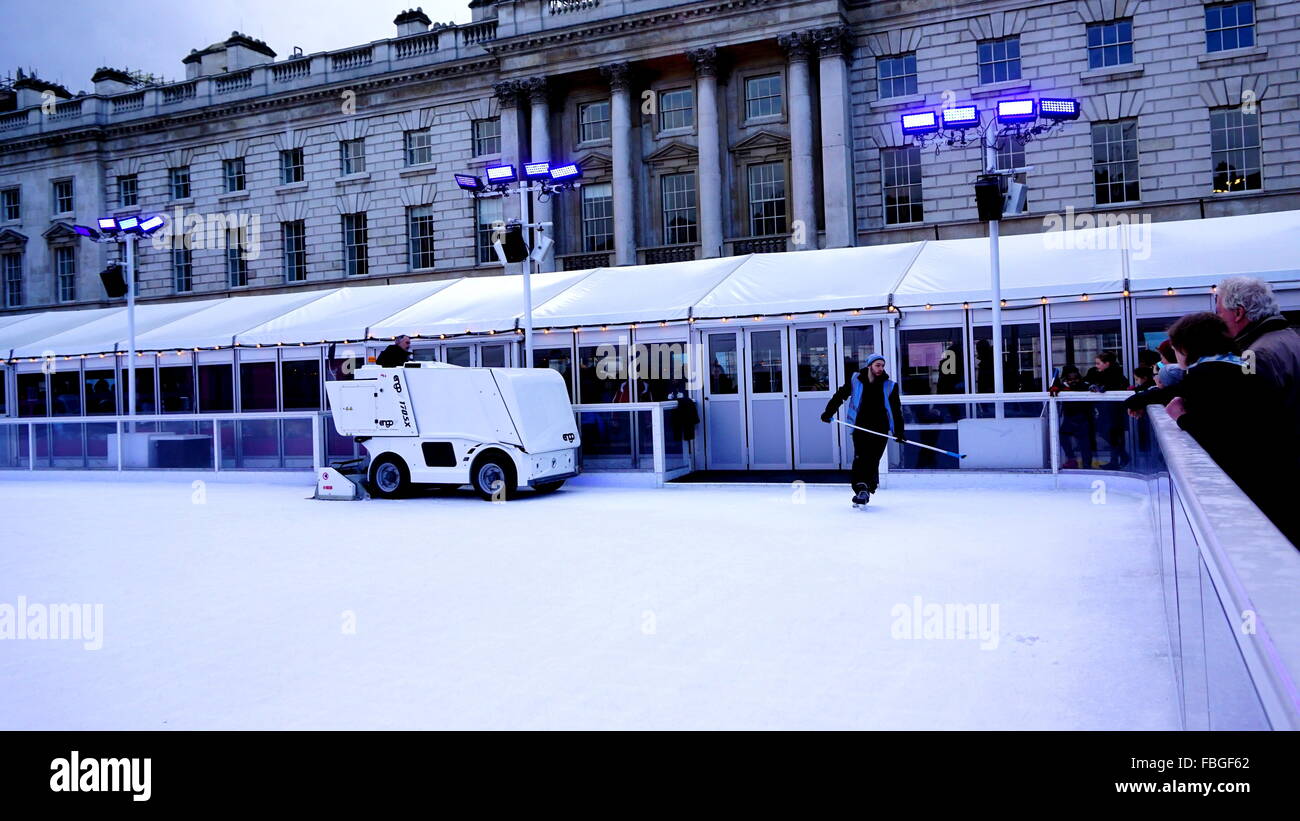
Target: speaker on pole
point(516, 249)
point(988, 198)
point(114, 280)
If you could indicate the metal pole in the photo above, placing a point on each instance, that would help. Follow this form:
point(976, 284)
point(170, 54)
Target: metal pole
point(130, 323)
point(525, 190)
point(996, 271)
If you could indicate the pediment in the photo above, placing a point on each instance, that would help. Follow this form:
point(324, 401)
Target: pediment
point(60, 231)
point(674, 151)
point(763, 140)
point(10, 238)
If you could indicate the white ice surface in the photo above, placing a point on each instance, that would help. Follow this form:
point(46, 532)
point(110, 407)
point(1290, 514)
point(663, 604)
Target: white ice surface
point(596, 607)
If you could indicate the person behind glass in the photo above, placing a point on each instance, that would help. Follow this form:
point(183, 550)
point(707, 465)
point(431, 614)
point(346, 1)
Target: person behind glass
point(1106, 375)
point(1239, 418)
point(395, 355)
point(1078, 430)
point(1167, 376)
point(874, 404)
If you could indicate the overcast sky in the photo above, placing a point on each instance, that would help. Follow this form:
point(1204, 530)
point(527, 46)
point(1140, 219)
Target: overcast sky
point(66, 40)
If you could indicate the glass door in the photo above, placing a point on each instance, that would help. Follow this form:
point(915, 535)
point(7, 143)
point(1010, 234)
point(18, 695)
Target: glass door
point(816, 444)
point(724, 419)
point(768, 406)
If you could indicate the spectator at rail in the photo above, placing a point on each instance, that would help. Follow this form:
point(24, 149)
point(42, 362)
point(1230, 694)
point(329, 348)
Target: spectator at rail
point(1078, 431)
point(1106, 375)
point(1239, 419)
point(1143, 379)
point(1268, 343)
point(396, 354)
point(1169, 372)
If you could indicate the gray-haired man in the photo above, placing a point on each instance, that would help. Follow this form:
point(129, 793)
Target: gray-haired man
point(1254, 319)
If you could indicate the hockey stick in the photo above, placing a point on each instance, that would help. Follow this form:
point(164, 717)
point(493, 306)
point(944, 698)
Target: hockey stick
point(902, 441)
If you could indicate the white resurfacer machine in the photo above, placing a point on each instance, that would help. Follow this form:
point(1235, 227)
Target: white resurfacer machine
point(428, 424)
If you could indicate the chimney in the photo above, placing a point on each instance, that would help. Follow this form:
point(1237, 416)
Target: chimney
point(243, 51)
point(31, 90)
point(111, 81)
point(412, 21)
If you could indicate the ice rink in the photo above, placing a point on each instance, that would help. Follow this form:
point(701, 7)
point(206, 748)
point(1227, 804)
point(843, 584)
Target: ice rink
point(240, 603)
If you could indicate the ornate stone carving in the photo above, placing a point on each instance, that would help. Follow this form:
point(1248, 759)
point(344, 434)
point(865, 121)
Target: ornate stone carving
point(618, 75)
point(705, 61)
point(835, 41)
point(507, 93)
point(535, 88)
point(797, 44)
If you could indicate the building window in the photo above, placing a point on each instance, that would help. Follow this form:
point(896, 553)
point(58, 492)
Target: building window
point(1235, 150)
point(11, 204)
point(901, 178)
point(236, 264)
point(896, 76)
point(488, 217)
point(1010, 155)
point(999, 60)
point(179, 179)
point(12, 266)
point(1115, 162)
point(677, 109)
point(763, 97)
point(63, 203)
point(487, 136)
point(355, 257)
point(593, 121)
point(128, 191)
point(183, 270)
point(681, 224)
point(419, 232)
point(352, 157)
point(767, 199)
point(233, 172)
point(291, 166)
point(294, 237)
point(1110, 44)
point(419, 147)
point(65, 269)
point(597, 217)
point(1229, 26)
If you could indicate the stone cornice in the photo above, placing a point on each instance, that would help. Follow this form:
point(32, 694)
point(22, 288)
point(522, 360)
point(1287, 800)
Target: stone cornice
point(102, 133)
point(659, 19)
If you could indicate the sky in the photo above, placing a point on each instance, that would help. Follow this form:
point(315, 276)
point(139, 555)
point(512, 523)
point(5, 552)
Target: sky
point(66, 40)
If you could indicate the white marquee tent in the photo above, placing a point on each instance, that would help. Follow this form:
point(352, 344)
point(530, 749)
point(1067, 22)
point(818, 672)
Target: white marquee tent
point(1096, 261)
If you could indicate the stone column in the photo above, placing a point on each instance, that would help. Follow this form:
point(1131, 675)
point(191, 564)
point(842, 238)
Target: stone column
point(835, 47)
point(507, 93)
point(539, 106)
point(709, 170)
point(620, 114)
point(803, 229)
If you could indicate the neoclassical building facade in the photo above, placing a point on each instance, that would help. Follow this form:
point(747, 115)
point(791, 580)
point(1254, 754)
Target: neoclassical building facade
point(704, 129)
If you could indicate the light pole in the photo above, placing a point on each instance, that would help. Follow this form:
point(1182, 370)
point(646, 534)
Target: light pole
point(1017, 120)
point(539, 179)
point(126, 231)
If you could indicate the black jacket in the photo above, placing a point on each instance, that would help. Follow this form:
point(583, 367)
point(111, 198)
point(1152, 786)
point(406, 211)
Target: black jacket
point(393, 357)
point(1239, 420)
point(871, 407)
point(1111, 379)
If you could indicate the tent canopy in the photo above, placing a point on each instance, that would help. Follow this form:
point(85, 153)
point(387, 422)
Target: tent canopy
point(1054, 263)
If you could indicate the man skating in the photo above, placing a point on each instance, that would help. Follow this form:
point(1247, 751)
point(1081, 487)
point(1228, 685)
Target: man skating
point(873, 403)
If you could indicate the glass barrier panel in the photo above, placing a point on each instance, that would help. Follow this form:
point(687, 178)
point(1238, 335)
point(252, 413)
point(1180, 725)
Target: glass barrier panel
point(98, 436)
point(13, 447)
point(297, 443)
point(68, 446)
point(607, 440)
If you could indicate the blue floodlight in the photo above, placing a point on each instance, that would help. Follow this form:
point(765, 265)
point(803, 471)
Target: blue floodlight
point(108, 225)
point(1058, 108)
point(537, 170)
point(497, 174)
point(561, 173)
point(89, 233)
point(152, 224)
point(962, 116)
point(469, 182)
point(1017, 111)
point(922, 122)
point(130, 225)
